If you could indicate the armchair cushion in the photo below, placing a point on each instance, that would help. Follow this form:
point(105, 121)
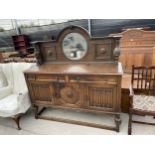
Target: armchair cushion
point(14, 104)
point(5, 91)
point(8, 106)
point(143, 102)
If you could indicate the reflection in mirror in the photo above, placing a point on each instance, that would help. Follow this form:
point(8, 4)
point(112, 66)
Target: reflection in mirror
point(74, 46)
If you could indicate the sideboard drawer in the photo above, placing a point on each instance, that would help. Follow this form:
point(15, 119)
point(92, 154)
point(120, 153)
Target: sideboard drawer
point(93, 79)
point(31, 76)
point(43, 77)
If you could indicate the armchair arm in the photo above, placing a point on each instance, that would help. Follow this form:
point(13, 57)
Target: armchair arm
point(131, 96)
point(5, 91)
point(131, 91)
point(23, 101)
point(21, 95)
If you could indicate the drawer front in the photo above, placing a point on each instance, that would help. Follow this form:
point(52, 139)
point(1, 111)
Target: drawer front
point(30, 76)
point(93, 79)
point(45, 77)
point(73, 78)
point(50, 77)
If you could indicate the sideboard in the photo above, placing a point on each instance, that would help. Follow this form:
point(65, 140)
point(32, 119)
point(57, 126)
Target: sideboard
point(77, 72)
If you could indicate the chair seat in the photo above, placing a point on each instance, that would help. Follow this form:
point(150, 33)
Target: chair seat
point(143, 102)
point(9, 106)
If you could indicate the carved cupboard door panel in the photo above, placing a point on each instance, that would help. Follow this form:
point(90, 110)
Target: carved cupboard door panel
point(69, 94)
point(102, 97)
point(41, 92)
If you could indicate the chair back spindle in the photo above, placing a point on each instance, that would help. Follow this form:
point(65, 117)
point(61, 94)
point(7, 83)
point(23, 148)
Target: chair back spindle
point(143, 79)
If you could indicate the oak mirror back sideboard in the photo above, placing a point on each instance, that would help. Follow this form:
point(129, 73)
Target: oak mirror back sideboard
point(77, 72)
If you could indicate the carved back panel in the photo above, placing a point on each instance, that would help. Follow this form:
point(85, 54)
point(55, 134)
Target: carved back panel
point(98, 49)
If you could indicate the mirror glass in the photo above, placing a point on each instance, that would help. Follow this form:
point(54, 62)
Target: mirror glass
point(74, 46)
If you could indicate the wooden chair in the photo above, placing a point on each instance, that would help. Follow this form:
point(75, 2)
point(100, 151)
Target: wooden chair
point(142, 94)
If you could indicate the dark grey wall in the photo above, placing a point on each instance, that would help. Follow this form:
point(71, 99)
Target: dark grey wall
point(100, 28)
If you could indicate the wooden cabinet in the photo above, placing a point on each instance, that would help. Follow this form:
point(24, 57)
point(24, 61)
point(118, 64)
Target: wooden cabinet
point(1, 57)
point(90, 84)
point(20, 43)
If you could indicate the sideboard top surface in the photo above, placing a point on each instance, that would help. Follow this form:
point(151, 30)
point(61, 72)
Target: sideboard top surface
point(85, 69)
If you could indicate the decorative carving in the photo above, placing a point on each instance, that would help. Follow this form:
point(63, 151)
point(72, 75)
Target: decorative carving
point(132, 34)
point(41, 91)
point(100, 97)
point(38, 54)
point(69, 94)
point(49, 53)
point(74, 43)
point(102, 51)
point(116, 51)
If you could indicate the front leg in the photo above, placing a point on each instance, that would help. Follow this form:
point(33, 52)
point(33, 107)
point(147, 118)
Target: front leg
point(117, 121)
point(36, 108)
point(17, 121)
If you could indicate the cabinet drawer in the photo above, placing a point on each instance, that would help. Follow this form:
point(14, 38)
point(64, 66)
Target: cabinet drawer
point(93, 79)
point(43, 77)
point(31, 77)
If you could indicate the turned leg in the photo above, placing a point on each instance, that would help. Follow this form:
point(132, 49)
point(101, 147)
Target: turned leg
point(130, 123)
point(36, 108)
point(17, 119)
point(117, 122)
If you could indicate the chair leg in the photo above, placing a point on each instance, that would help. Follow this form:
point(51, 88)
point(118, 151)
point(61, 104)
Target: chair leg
point(130, 123)
point(17, 121)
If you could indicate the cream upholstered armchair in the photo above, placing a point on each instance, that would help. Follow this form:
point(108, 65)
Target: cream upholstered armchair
point(14, 97)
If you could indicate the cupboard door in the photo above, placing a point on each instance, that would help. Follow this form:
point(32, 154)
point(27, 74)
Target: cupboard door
point(69, 94)
point(41, 92)
point(102, 97)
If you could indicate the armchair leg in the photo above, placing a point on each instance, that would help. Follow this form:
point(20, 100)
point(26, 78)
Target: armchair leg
point(130, 123)
point(17, 121)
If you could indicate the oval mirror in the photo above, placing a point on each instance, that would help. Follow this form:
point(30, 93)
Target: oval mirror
point(74, 46)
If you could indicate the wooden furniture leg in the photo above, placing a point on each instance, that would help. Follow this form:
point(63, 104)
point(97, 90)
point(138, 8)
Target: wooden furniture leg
point(130, 123)
point(36, 111)
point(117, 121)
point(41, 111)
point(17, 121)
